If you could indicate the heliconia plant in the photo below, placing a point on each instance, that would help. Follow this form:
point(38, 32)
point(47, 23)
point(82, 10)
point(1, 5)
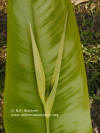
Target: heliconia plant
point(46, 86)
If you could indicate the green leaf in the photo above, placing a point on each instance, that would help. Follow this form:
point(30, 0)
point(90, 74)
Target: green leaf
point(46, 86)
point(38, 69)
point(55, 78)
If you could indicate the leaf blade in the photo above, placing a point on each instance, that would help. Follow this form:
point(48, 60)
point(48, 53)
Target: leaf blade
point(55, 77)
point(71, 101)
point(40, 76)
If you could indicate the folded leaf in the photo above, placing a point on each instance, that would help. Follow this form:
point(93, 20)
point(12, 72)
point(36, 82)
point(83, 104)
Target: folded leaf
point(38, 68)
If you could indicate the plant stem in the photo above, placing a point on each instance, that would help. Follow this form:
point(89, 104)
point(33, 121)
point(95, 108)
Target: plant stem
point(47, 124)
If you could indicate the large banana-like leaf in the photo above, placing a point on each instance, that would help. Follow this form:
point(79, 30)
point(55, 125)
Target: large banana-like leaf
point(46, 87)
